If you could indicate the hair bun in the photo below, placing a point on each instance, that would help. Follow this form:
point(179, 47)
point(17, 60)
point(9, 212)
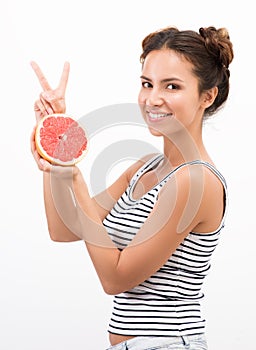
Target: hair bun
point(218, 44)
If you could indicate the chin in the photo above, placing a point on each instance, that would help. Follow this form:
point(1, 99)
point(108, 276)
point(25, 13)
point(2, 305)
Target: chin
point(155, 132)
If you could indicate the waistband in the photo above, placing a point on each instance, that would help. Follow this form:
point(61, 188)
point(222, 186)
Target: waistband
point(138, 343)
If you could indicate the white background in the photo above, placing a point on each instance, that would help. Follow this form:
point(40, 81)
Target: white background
point(50, 296)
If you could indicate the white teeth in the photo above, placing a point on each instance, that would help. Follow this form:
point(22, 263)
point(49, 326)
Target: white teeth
point(158, 115)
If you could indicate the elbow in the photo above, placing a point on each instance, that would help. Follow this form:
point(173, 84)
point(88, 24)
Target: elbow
point(55, 237)
point(113, 288)
point(53, 233)
point(62, 235)
point(117, 281)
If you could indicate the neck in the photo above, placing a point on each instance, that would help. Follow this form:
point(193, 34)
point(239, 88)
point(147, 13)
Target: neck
point(184, 146)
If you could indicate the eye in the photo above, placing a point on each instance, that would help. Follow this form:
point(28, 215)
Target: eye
point(172, 87)
point(146, 85)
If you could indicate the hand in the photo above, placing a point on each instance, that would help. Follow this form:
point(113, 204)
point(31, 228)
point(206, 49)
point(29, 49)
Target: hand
point(50, 100)
point(42, 164)
point(64, 172)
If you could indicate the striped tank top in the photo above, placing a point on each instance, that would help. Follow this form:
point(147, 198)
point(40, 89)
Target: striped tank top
point(167, 303)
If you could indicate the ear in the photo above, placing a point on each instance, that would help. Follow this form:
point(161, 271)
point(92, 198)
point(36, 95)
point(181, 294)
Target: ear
point(209, 96)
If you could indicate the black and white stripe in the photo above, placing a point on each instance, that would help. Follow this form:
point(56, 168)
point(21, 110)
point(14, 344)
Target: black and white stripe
point(167, 303)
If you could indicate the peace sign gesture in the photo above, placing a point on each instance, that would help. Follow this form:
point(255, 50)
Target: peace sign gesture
point(50, 100)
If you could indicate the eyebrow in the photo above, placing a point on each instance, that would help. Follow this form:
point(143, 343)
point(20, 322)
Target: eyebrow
point(163, 80)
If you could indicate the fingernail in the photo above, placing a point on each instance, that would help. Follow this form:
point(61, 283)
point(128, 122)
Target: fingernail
point(42, 162)
point(49, 110)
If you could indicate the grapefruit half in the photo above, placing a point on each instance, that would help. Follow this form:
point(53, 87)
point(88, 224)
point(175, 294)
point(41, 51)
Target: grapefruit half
point(61, 140)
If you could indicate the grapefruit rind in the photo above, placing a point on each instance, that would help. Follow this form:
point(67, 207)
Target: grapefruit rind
point(51, 158)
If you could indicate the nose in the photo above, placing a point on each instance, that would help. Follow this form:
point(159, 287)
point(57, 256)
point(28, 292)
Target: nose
point(154, 97)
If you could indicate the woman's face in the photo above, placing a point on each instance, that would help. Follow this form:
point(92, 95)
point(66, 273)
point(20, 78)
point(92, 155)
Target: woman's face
point(169, 97)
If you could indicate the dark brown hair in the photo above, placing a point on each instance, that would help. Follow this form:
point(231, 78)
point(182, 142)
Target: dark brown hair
point(210, 51)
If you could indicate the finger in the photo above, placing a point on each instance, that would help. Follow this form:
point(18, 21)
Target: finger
point(33, 147)
point(64, 78)
point(42, 79)
point(40, 111)
point(53, 100)
point(45, 105)
point(32, 140)
point(42, 164)
point(38, 106)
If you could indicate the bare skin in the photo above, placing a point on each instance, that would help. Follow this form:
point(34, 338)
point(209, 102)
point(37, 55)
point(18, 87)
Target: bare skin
point(167, 83)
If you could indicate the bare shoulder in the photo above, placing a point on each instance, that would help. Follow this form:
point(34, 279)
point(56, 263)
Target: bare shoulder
point(201, 193)
point(212, 204)
point(190, 198)
point(201, 174)
point(207, 178)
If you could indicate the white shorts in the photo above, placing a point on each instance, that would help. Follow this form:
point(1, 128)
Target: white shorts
point(191, 342)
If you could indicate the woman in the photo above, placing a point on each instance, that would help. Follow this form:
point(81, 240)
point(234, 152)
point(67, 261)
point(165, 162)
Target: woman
point(152, 233)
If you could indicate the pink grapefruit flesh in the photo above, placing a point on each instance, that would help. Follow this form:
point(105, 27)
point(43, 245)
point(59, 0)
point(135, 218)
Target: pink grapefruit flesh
point(61, 140)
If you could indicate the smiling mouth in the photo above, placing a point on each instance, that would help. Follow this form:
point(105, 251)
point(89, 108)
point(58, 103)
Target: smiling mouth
point(158, 116)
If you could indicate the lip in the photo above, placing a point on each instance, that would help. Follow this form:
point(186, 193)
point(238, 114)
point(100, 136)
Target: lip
point(157, 116)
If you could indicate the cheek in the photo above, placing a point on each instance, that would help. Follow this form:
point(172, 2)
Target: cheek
point(142, 97)
point(178, 101)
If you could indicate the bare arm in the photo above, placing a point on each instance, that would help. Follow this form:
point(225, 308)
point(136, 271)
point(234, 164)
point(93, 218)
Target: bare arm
point(81, 217)
point(53, 101)
point(154, 243)
point(161, 234)
point(62, 219)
